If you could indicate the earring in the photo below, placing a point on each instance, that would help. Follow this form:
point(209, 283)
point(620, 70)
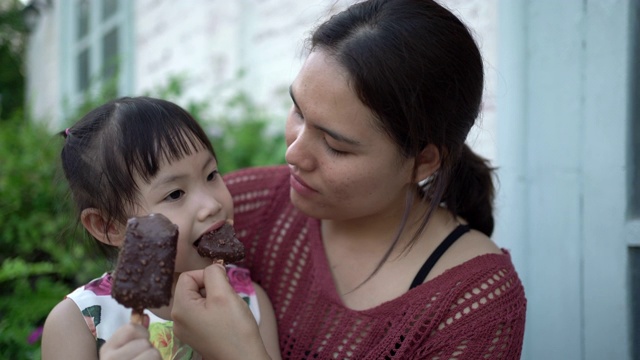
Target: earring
point(428, 180)
point(425, 182)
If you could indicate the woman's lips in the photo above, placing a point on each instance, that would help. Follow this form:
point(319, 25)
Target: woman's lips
point(300, 186)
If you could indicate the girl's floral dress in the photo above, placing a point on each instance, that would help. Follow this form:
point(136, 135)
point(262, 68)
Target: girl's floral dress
point(104, 315)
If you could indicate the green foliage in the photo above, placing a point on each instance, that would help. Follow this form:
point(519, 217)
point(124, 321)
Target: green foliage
point(243, 140)
point(239, 131)
point(44, 255)
point(12, 45)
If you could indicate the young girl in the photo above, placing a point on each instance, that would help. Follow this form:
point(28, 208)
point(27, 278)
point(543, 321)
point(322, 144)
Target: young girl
point(132, 157)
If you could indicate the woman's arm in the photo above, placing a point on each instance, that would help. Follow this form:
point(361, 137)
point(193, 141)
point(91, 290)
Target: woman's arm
point(66, 334)
point(218, 325)
point(483, 314)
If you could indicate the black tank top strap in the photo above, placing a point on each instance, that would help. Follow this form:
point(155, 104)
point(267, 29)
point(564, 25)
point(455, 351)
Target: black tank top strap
point(437, 253)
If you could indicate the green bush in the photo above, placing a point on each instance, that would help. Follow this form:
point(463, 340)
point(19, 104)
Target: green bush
point(44, 255)
point(244, 139)
point(240, 134)
point(40, 255)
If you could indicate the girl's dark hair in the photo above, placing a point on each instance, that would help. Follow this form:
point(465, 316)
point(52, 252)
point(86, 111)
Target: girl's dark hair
point(418, 68)
point(124, 138)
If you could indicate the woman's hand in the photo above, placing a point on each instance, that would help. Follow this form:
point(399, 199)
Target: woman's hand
point(218, 324)
point(130, 342)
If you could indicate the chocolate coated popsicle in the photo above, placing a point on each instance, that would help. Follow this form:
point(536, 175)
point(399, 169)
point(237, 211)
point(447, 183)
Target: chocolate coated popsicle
point(221, 244)
point(144, 273)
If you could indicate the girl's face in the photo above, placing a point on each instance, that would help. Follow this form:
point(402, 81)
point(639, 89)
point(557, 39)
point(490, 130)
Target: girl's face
point(343, 167)
point(191, 193)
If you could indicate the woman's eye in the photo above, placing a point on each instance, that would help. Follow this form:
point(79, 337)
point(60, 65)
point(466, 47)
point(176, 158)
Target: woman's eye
point(212, 176)
point(297, 113)
point(175, 195)
point(334, 151)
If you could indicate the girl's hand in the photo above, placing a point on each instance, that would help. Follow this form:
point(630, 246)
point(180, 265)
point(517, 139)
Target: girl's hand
point(130, 342)
point(219, 324)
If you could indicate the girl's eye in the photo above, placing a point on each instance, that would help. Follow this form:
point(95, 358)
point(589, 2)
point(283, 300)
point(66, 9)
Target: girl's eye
point(212, 176)
point(175, 195)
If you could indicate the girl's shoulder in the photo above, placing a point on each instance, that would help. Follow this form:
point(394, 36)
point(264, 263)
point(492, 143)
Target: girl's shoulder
point(102, 314)
point(66, 335)
point(100, 286)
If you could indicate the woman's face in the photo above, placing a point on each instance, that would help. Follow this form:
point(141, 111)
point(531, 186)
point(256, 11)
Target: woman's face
point(343, 167)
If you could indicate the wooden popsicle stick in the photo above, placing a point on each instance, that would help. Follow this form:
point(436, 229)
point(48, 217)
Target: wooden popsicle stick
point(136, 317)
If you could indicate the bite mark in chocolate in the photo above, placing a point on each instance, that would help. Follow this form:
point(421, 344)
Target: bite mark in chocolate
point(221, 244)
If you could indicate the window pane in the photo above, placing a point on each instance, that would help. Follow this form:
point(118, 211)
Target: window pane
point(110, 54)
point(634, 264)
point(634, 121)
point(109, 7)
point(83, 18)
point(83, 70)
point(634, 178)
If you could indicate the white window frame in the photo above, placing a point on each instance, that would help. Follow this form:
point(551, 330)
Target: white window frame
point(71, 46)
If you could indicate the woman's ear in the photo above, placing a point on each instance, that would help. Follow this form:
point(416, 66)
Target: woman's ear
point(96, 225)
point(427, 162)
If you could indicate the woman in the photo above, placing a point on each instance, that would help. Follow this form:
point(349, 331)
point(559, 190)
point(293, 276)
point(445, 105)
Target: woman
point(374, 241)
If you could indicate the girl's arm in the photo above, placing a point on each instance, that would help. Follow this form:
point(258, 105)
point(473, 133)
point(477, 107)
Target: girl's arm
point(66, 334)
point(268, 326)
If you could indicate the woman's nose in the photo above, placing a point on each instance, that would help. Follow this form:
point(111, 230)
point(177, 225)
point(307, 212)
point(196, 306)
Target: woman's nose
point(298, 153)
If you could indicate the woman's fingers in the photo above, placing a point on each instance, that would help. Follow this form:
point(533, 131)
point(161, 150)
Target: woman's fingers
point(219, 324)
point(194, 285)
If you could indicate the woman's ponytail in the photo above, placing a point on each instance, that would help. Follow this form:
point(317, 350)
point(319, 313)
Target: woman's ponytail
point(470, 193)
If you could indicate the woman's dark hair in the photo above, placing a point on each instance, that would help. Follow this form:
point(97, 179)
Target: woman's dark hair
point(124, 138)
point(418, 68)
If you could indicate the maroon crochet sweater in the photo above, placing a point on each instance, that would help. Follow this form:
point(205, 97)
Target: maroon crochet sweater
point(473, 311)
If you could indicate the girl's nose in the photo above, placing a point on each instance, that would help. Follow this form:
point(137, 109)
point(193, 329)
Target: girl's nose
point(209, 207)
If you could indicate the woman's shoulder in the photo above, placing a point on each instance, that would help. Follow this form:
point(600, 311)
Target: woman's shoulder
point(256, 191)
point(476, 262)
point(487, 280)
point(470, 245)
point(475, 301)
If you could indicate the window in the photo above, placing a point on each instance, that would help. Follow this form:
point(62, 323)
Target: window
point(110, 54)
point(633, 206)
point(634, 121)
point(96, 49)
point(634, 264)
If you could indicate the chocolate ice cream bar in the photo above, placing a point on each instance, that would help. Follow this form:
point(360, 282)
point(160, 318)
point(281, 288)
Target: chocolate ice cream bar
point(144, 273)
point(221, 244)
